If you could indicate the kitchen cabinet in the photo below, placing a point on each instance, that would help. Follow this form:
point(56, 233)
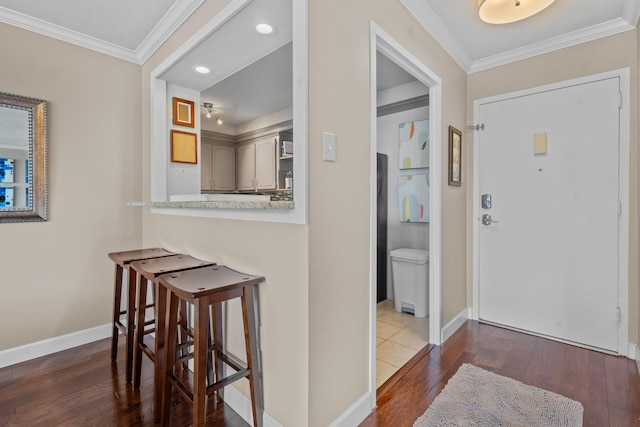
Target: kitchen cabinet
point(218, 167)
point(256, 165)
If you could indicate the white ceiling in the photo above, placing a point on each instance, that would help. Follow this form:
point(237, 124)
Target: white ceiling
point(389, 74)
point(134, 30)
point(251, 74)
point(126, 29)
point(476, 45)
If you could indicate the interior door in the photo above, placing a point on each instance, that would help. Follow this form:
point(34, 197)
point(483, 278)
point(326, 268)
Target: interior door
point(548, 253)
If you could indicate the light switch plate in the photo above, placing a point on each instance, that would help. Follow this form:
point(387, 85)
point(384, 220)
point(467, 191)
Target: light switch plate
point(540, 143)
point(328, 147)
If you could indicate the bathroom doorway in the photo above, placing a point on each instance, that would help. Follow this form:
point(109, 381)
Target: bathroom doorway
point(405, 102)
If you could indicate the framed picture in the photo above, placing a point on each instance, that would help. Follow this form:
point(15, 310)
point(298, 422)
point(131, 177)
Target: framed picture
point(183, 112)
point(184, 147)
point(455, 157)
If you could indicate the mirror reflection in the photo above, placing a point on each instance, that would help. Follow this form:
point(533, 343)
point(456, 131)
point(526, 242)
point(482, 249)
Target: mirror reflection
point(22, 159)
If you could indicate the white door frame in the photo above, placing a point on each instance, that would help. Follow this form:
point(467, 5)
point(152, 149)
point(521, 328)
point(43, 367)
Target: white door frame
point(623, 190)
point(381, 41)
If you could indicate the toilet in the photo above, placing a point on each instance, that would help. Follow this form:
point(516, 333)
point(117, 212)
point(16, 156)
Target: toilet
point(410, 270)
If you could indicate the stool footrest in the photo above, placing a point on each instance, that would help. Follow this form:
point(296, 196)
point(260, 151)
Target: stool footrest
point(118, 324)
point(148, 331)
point(236, 364)
point(228, 380)
point(188, 394)
point(184, 358)
point(148, 351)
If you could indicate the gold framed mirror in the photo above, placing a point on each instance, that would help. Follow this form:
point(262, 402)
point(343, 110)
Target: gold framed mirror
point(23, 159)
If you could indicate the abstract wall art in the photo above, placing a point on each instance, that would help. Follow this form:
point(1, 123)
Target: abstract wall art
point(413, 144)
point(413, 198)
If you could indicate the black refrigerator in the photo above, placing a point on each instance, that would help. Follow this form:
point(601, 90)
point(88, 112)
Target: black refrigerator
point(382, 160)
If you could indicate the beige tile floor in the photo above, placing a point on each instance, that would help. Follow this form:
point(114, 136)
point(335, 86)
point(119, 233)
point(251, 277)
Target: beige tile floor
point(399, 337)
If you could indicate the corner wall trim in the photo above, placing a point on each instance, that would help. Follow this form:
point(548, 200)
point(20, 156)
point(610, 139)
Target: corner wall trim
point(455, 323)
point(634, 354)
point(355, 414)
point(242, 405)
point(53, 345)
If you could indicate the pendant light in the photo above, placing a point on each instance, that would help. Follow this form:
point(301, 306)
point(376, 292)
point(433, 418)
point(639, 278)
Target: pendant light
point(506, 11)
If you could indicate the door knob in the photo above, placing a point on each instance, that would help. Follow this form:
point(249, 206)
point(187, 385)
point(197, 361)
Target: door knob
point(486, 220)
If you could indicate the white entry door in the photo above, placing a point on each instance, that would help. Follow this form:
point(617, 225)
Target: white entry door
point(548, 263)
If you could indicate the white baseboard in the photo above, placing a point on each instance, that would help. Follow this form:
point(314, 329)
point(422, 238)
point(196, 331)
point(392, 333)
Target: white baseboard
point(455, 323)
point(53, 345)
point(242, 405)
point(634, 354)
point(355, 414)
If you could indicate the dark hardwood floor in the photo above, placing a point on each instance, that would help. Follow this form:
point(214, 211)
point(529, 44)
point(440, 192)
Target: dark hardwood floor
point(81, 387)
point(607, 386)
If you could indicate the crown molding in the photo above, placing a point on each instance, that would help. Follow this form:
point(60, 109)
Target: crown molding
point(431, 22)
point(57, 32)
point(402, 92)
point(594, 32)
point(631, 12)
point(427, 17)
point(404, 105)
point(170, 22)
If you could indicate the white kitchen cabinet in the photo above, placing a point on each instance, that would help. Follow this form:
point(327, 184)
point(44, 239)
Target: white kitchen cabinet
point(266, 164)
point(256, 165)
point(245, 161)
point(218, 168)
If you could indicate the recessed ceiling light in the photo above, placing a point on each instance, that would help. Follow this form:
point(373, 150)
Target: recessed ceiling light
point(202, 69)
point(265, 29)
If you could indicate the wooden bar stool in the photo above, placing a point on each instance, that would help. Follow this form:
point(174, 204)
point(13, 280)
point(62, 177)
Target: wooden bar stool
point(122, 260)
point(148, 271)
point(207, 288)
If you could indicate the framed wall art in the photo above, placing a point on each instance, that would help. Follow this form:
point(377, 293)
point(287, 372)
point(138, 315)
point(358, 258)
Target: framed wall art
point(455, 157)
point(184, 147)
point(183, 112)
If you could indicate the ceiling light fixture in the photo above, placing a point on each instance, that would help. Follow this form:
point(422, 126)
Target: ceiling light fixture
point(265, 28)
point(209, 107)
point(202, 69)
point(211, 111)
point(506, 11)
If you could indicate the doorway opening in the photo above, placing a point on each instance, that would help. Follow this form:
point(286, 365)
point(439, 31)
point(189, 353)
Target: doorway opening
point(411, 103)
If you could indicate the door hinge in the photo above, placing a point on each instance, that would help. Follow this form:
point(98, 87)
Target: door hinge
point(619, 100)
point(619, 208)
point(618, 314)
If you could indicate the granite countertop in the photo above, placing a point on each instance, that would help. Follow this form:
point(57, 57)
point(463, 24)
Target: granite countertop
point(287, 204)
